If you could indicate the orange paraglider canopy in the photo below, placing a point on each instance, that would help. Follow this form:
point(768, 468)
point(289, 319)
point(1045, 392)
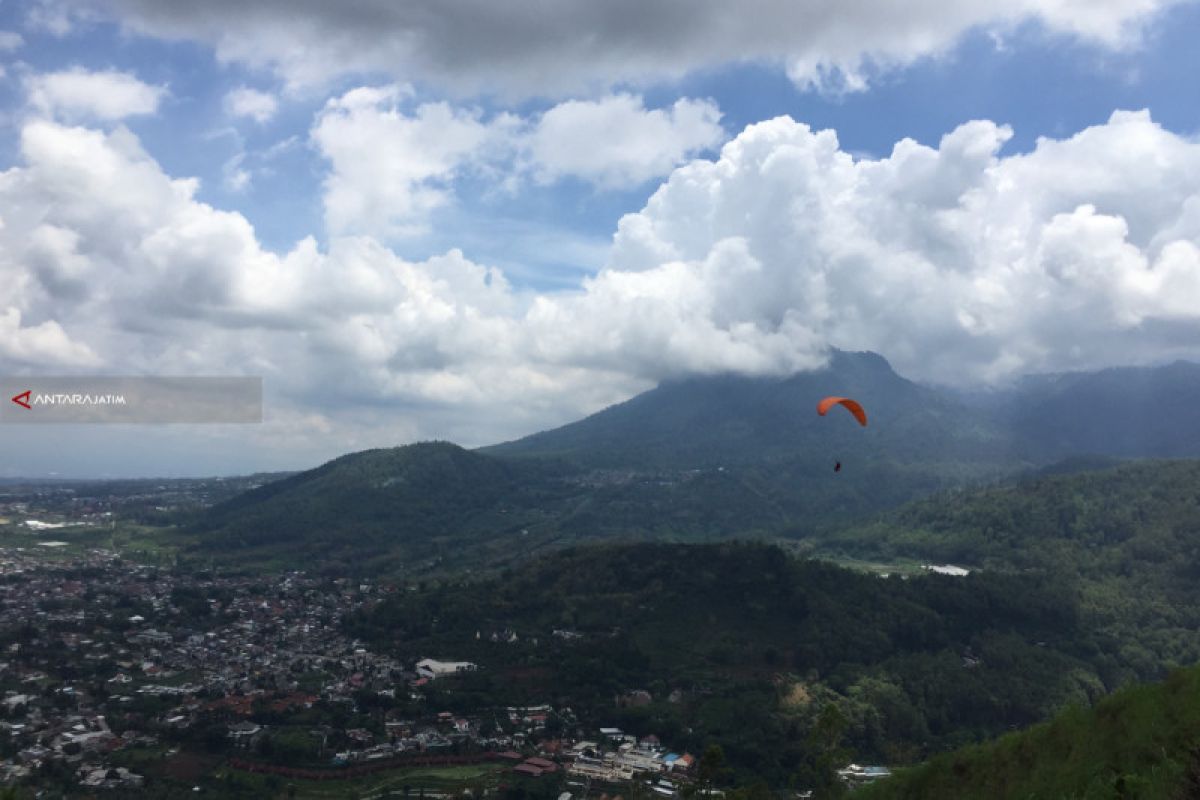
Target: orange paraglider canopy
point(851, 405)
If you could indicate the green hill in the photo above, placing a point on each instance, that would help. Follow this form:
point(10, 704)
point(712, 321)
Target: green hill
point(1129, 535)
point(754, 646)
point(1142, 742)
point(435, 507)
point(393, 504)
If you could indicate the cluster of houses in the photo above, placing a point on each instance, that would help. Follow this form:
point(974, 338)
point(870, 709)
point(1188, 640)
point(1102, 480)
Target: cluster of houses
point(88, 638)
point(102, 637)
point(617, 757)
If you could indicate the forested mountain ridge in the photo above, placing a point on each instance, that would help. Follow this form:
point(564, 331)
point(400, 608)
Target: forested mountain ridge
point(1128, 412)
point(438, 507)
point(1145, 511)
point(1131, 412)
point(713, 457)
point(726, 420)
point(699, 459)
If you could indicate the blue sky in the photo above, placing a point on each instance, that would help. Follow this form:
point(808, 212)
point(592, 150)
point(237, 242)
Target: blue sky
point(1040, 83)
point(489, 225)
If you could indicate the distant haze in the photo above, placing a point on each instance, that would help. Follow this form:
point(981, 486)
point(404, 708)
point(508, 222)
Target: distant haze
point(724, 419)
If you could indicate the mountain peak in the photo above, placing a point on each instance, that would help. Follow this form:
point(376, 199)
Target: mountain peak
point(866, 359)
point(729, 418)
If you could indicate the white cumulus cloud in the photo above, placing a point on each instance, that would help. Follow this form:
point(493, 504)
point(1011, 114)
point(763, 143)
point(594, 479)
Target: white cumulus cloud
point(246, 102)
point(79, 94)
point(390, 167)
point(44, 343)
point(109, 263)
point(393, 162)
point(616, 141)
point(957, 262)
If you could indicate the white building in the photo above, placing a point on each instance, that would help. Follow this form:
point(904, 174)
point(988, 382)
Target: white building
point(854, 775)
point(947, 569)
point(432, 668)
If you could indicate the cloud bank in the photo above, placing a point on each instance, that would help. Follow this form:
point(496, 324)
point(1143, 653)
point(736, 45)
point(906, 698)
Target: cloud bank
point(957, 262)
point(393, 161)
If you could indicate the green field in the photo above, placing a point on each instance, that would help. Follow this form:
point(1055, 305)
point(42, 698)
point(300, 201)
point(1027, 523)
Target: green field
point(141, 543)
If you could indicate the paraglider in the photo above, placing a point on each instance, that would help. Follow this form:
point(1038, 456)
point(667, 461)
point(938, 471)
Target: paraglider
point(850, 405)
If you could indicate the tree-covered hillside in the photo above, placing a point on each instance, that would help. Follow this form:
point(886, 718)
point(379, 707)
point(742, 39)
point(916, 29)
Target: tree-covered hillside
point(1129, 535)
point(382, 507)
point(1142, 742)
point(741, 645)
point(436, 507)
